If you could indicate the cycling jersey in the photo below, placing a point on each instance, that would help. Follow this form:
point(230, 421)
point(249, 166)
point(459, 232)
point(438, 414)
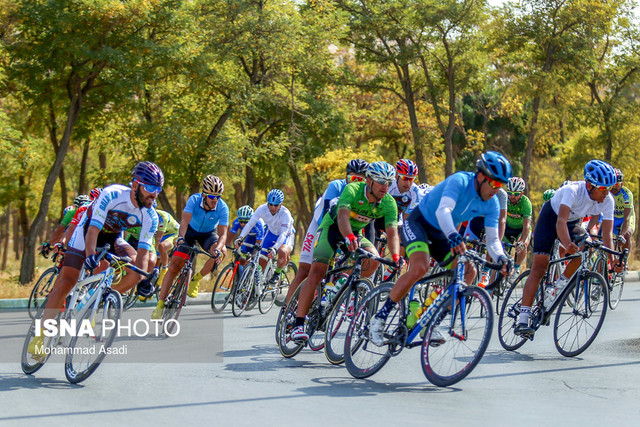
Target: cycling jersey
point(576, 196)
point(279, 224)
point(516, 213)
point(69, 212)
point(206, 221)
point(167, 224)
point(78, 215)
point(623, 200)
point(255, 234)
point(406, 201)
point(113, 212)
point(362, 212)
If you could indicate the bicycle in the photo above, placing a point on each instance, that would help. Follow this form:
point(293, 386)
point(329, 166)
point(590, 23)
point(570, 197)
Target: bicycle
point(615, 281)
point(581, 306)
point(178, 291)
point(45, 283)
point(226, 281)
point(318, 316)
point(91, 301)
point(463, 313)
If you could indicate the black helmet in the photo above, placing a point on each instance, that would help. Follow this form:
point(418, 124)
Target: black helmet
point(357, 166)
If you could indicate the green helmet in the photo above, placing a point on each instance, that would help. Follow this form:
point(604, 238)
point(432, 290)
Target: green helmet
point(548, 194)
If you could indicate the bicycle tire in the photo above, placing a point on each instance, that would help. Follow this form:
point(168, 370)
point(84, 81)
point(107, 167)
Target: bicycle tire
point(175, 301)
point(28, 362)
point(287, 278)
point(345, 306)
point(576, 326)
point(363, 358)
point(267, 298)
point(223, 288)
point(287, 321)
point(509, 313)
point(41, 289)
point(615, 290)
point(450, 362)
point(243, 291)
point(79, 365)
point(316, 323)
point(130, 299)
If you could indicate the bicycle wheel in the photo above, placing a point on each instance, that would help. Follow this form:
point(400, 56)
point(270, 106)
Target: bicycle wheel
point(130, 299)
point(222, 289)
point(344, 308)
point(287, 278)
point(175, 301)
point(509, 313)
point(316, 323)
point(41, 290)
point(268, 297)
point(86, 352)
point(362, 357)
point(243, 291)
point(575, 327)
point(466, 339)
point(32, 362)
point(615, 290)
point(286, 322)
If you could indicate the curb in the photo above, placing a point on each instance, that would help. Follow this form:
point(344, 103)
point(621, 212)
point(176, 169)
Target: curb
point(21, 303)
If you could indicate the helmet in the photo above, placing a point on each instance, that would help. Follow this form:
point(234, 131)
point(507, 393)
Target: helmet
point(567, 182)
point(80, 200)
point(548, 194)
point(357, 166)
point(515, 184)
point(149, 173)
point(495, 165)
point(619, 175)
point(211, 184)
point(245, 212)
point(93, 194)
point(381, 172)
point(275, 197)
point(599, 173)
point(407, 167)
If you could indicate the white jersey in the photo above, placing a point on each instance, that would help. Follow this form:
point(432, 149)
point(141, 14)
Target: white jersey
point(113, 212)
point(576, 196)
point(280, 224)
point(421, 193)
point(406, 201)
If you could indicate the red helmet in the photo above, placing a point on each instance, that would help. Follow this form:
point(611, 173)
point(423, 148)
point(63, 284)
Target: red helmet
point(93, 194)
point(407, 167)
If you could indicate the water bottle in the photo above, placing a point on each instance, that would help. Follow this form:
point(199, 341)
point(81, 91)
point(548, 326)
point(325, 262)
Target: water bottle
point(340, 281)
point(328, 291)
point(258, 275)
point(412, 319)
point(86, 298)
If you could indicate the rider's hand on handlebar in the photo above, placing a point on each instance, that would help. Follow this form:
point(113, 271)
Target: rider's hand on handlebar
point(399, 261)
point(237, 243)
point(91, 262)
point(572, 249)
point(507, 263)
point(352, 242)
point(179, 241)
point(456, 244)
point(271, 253)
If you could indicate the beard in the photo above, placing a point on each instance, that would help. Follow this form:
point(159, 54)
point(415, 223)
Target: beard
point(142, 201)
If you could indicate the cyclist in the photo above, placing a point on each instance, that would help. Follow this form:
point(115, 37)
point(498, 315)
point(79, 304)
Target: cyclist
point(518, 227)
point(548, 194)
point(359, 204)
point(205, 220)
point(279, 238)
point(57, 236)
point(560, 218)
point(93, 194)
point(116, 209)
point(431, 230)
point(356, 170)
point(255, 236)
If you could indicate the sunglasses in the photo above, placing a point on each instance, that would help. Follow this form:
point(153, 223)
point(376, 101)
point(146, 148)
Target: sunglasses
point(407, 178)
point(150, 188)
point(511, 193)
point(275, 206)
point(383, 182)
point(493, 183)
point(213, 196)
point(243, 222)
point(602, 188)
point(354, 178)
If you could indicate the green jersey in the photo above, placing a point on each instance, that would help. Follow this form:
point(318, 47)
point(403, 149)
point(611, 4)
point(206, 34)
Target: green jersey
point(516, 213)
point(68, 216)
point(362, 212)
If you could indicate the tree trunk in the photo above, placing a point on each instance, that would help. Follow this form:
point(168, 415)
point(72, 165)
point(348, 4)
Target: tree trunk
point(249, 187)
point(416, 132)
point(83, 187)
point(302, 200)
point(166, 204)
point(6, 232)
point(179, 205)
point(16, 237)
point(53, 137)
point(531, 139)
point(28, 257)
point(102, 159)
point(238, 194)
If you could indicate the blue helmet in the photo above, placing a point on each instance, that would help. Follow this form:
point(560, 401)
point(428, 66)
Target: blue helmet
point(245, 212)
point(275, 197)
point(600, 173)
point(381, 172)
point(495, 165)
point(357, 166)
point(148, 173)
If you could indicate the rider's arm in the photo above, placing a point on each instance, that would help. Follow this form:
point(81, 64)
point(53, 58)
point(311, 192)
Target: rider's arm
point(443, 215)
point(57, 234)
point(90, 240)
point(624, 230)
point(222, 237)
point(252, 222)
point(592, 223)
point(158, 237)
point(392, 239)
point(561, 227)
point(526, 230)
point(68, 233)
point(494, 245)
point(184, 224)
point(502, 222)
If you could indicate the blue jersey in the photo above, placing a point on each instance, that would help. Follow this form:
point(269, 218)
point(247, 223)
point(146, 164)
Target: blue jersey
point(256, 233)
point(333, 191)
point(461, 188)
point(204, 221)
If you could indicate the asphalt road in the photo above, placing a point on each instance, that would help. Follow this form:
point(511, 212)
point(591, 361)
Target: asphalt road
point(244, 380)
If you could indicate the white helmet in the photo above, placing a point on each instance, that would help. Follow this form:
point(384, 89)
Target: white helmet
point(515, 185)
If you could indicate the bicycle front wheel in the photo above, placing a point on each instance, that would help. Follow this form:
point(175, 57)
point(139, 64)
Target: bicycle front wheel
point(509, 313)
point(86, 352)
point(343, 311)
point(577, 325)
point(285, 323)
point(41, 290)
point(615, 290)
point(287, 278)
point(41, 346)
point(130, 299)
point(362, 357)
point(222, 289)
point(243, 292)
point(466, 332)
point(175, 301)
